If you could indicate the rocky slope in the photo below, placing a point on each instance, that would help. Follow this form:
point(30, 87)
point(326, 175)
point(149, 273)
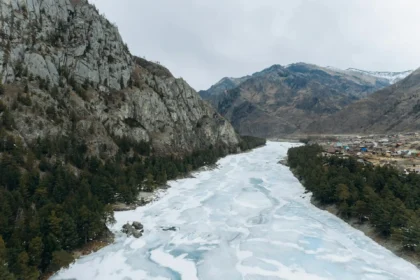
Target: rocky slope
point(66, 70)
point(282, 100)
point(393, 109)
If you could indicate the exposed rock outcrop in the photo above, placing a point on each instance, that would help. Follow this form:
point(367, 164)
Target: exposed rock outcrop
point(135, 229)
point(137, 225)
point(73, 65)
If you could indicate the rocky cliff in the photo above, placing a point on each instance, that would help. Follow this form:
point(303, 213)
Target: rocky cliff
point(66, 70)
point(283, 100)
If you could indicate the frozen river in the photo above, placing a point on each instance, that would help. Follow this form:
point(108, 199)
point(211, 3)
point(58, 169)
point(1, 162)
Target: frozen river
point(247, 219)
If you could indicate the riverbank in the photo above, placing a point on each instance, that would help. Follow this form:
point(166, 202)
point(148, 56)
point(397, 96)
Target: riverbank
point(364, 227)
point(145, 198)
point(93, 246)
point(369, 231)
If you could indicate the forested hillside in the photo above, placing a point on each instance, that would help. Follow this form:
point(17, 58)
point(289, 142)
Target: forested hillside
point(381, 196)
point(54, 198)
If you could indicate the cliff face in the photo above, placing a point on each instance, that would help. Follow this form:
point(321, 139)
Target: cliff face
point(67, 71)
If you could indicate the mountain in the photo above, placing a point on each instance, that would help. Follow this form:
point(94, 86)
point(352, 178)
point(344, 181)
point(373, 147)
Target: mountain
point(222, 86)
point(392, 77)
point(78, 73)
point(282, 100)
point(393, 109)
point(85, 126)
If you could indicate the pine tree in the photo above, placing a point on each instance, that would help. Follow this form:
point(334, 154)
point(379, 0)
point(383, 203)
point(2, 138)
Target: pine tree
point(54, 224)
point(35, 250)
point(2, 90)
point(60, 259)
point(342, 192)
point(22, 265)
point(7, 120)
point(4, 267)
point(70, 235)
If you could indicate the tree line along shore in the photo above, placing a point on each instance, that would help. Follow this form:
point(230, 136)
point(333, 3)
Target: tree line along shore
point(55, 199)
point(381, 197)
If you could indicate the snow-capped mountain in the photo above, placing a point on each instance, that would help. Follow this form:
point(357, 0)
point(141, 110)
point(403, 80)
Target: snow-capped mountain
point(281, 100)
point(392, 77)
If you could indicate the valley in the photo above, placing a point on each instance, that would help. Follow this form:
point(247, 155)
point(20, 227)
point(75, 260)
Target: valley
point(248, 218)
point(113, 166)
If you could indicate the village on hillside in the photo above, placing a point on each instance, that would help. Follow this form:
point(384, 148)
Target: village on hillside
point(399, 150)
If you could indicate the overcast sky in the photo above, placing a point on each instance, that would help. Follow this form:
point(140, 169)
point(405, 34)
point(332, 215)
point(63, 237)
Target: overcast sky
point(204, 41)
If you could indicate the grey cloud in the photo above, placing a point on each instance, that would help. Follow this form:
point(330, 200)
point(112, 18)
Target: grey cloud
point(203, 41)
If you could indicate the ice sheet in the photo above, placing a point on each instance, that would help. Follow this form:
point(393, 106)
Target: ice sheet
point(248, 219)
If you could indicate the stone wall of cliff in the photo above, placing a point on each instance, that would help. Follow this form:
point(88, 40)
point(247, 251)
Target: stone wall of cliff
point(81, 79)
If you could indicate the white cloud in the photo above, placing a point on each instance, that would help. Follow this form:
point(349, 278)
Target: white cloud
point(203, 41)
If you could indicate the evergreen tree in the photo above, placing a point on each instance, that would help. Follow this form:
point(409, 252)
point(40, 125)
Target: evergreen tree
point(2, 90)
point(381, 196)
point(35, 251)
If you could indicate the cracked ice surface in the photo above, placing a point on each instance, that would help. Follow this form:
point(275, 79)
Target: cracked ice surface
point(248, 219)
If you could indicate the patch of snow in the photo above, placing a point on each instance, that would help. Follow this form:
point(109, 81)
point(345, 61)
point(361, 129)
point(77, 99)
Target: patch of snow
point(179, 264)
point(392, 77)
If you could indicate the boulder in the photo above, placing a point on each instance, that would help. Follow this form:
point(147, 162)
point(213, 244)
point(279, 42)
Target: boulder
point(137, 225)
point(137, 234)
point(135, 229)
point(128, 229)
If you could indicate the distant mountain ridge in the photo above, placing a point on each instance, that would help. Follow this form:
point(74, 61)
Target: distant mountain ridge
point(392, 109)
point(393, 77)
point(280, 100)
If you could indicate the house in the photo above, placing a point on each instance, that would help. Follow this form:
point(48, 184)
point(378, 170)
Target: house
point(363, 149)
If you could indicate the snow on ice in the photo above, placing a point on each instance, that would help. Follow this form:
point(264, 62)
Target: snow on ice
point(247, 219)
